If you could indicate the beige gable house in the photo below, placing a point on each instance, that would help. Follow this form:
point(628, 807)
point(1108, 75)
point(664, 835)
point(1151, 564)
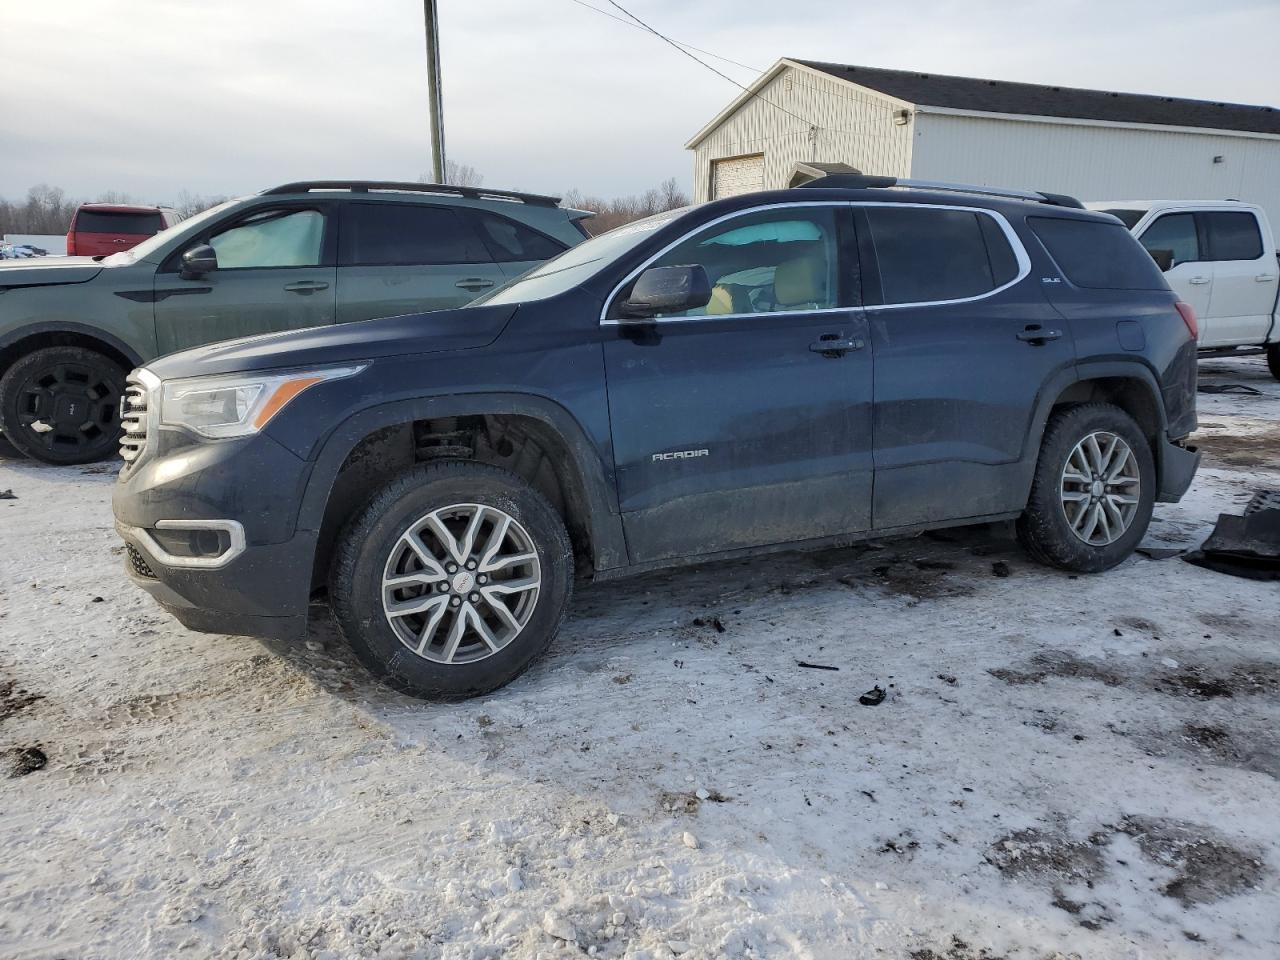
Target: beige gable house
point(1093, 144)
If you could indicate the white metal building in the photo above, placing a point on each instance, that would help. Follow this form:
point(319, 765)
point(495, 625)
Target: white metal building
point(1092, 144)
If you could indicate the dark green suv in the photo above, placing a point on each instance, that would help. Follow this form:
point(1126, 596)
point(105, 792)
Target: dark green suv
point(298, 255)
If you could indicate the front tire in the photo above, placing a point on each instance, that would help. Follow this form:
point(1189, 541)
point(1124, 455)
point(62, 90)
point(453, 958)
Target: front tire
point(1273, 360)
point(452, 580)
point(1093, 490)
point(61, 405)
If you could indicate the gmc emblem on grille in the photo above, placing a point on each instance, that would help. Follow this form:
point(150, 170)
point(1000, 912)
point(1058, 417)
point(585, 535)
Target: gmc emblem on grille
point(681, 455)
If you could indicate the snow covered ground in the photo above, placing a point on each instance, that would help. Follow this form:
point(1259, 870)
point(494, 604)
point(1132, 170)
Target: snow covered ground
point(1063, 767)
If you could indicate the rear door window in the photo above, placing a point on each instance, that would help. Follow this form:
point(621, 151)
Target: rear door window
point(1173, 237)
point(1233, 236)
point(929, 255)
point(403, 234)
point(511, 242)
point(1097, 255)
point(123, 222)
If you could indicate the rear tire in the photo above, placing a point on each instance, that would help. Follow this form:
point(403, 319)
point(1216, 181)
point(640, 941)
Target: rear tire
point(1087, 525)
point(1273, 360)
point(61, 405)
point(447, 544)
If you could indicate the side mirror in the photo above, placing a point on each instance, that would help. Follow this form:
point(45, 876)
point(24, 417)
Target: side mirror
point(198, 261)
point(668, 290)
point(1163, 259)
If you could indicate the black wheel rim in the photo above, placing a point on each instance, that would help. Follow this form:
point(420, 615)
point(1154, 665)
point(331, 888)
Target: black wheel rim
point(70, 409)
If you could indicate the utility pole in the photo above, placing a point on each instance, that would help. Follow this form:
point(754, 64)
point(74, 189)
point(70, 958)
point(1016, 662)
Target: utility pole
point(433, 90)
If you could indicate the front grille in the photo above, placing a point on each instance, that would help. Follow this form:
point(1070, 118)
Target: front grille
point(139, 562)
point(134, 419)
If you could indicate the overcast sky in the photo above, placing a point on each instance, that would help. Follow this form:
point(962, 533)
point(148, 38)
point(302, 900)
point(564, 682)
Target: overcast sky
point(152, 97)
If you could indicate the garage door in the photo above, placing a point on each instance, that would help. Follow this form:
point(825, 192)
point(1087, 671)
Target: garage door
point(739, 175)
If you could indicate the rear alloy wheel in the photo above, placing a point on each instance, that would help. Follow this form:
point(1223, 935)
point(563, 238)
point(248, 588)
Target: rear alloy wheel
point(61, 405)
point(1093, 490)
point(452, 580)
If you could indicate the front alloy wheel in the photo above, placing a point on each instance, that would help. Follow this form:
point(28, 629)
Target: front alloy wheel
point(461, 583)
point(452, 579)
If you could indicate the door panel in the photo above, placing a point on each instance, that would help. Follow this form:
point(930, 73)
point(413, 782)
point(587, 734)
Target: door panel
point(959, 362)
point(1244, 278)
point(365, 293)
point(732, 425)
point(274, 273)
point(1175, 240)
point(227, 304)
point(732, 433)
point(397, 258)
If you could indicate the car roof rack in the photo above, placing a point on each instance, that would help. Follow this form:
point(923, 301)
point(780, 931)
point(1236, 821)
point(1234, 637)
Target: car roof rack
point(397, 186)
point(853, 181)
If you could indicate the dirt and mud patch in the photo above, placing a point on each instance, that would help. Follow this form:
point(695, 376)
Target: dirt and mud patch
point(1041, 854)
point(14, 699)
point(21, 761)
point(1207, 867)
point(1059, 663)
point(1165, 674)
point(1261, 449)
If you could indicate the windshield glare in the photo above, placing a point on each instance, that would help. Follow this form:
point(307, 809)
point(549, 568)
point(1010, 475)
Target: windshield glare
point(563, 273)
point(151, 244)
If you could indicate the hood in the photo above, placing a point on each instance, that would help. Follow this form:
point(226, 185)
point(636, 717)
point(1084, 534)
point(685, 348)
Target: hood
point(413, 333)
point(44, 271)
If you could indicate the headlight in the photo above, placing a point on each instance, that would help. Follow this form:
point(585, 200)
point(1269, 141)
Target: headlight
point(238, 404)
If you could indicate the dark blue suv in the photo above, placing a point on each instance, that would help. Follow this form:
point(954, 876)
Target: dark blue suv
point(855, 357)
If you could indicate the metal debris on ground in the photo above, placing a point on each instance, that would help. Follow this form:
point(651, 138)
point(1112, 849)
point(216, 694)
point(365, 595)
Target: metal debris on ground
point(1245, 546)
point(1229, 388)
point(873, 697)
point(814, 666)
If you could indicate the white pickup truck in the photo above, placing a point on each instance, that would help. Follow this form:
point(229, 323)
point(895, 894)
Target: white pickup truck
point(1220, 257)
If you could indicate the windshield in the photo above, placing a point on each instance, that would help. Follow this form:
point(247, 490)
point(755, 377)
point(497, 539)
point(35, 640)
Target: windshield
point(576, 264)
point(151, 244)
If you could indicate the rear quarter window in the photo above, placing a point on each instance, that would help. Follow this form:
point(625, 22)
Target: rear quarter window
point(1097, 255)
point(124, 223)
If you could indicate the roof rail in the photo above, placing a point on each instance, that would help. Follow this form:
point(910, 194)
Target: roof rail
point(858, 182)
point(397, 186)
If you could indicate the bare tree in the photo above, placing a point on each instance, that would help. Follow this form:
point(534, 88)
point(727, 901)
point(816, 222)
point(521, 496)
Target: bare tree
point(189, 204)
point(457, 175)
point(619, 210)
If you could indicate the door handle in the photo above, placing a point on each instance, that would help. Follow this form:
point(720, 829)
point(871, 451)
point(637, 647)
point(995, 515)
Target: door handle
point(1198, 280)
point(306, 286)
point(832, 345)
point(474, 283)
point(1037, 335)
point(1265, 277)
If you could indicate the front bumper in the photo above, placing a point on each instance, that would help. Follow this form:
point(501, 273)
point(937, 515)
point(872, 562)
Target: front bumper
point(249, 491)
point(1178, 465)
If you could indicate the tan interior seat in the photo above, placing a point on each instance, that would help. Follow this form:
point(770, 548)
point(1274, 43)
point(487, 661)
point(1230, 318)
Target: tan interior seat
point(728, 298)
point(801, 282)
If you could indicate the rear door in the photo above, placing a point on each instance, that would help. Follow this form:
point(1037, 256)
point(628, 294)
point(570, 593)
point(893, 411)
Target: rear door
point(275, 272)
point(1176, 243)
point(1244, 277)
point(963, 346)
point(397, 258)
point(731, 425)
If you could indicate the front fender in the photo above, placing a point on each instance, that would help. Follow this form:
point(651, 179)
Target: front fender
point(606, 528)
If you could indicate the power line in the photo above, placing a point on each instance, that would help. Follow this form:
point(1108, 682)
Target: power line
point(724, 76)
point(689, 46)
